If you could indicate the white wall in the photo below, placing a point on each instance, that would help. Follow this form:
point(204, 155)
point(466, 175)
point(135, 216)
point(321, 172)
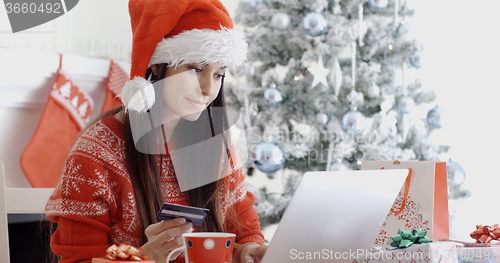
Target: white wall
point(461, 65)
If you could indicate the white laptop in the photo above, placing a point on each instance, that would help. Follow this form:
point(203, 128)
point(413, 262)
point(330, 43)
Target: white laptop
point(334, 216)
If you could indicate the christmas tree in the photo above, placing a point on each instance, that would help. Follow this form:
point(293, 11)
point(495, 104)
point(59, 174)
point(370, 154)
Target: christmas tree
point(325, 88)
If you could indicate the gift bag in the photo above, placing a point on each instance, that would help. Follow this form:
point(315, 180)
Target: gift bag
point(421, 203)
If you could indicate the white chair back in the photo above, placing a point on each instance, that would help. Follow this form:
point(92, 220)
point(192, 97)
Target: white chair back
point(18, 201)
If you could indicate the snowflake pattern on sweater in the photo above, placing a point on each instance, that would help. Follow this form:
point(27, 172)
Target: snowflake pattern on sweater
point(95, 193)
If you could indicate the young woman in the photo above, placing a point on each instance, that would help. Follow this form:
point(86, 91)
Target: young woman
point(120, 170)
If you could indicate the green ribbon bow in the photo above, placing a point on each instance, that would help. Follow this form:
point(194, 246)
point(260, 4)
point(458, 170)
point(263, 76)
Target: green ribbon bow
point(406, 238)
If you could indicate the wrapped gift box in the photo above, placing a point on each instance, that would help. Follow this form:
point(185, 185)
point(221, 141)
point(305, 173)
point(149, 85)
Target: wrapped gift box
point(105, 260)
point(477, 252)
point(490, 254)
point(442, 252)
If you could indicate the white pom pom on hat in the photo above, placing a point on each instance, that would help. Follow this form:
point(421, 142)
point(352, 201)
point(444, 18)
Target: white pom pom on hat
point(138, 95)
point(178, 32)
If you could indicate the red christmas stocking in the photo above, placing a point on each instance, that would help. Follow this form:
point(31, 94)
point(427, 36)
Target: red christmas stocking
point(67, 111)
point(116, 81)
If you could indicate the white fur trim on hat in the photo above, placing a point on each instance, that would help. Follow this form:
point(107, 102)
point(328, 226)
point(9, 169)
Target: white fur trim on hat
point(226, 46)
point(138, 95)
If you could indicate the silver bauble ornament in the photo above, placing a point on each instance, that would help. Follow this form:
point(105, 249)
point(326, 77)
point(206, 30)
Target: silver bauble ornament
point(373, 91)
point(314, 24)
point(268, 157)
point(416, 59)
point(321, 119)
point(280, 21)
point(353, 122)
point(378, 4)
point(437, 118)
point(405, 105)
point(456, 173)
point(273, 97)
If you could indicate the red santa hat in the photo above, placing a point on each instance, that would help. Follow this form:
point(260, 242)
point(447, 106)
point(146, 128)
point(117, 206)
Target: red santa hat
point(178, 32)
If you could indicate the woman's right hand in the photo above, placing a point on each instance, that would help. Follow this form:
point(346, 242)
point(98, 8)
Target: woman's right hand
point(164, 237)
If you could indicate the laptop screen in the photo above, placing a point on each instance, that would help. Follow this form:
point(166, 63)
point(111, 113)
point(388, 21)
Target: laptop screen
point(334, 215)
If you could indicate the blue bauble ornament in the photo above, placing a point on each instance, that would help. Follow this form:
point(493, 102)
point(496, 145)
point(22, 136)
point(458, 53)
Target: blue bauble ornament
point(416, 59)
point(273, 97)
point(314, 24)
point(437, 118)
point(353, 122)
point(268, 157)
point(405, 105)
point(378, 4)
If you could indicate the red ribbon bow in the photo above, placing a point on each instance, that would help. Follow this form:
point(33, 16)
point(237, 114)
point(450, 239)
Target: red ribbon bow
point(124, 252)
point(484, 234)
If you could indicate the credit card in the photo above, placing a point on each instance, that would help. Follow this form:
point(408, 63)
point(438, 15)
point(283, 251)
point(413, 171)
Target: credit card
point(194, 215)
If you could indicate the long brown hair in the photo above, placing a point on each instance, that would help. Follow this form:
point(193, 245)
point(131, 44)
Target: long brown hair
point(145, 169)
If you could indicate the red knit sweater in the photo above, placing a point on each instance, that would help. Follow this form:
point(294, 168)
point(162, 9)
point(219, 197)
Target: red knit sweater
point(94, 204)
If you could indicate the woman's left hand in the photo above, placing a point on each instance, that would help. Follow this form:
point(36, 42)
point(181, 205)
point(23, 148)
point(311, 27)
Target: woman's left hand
point(252, 252)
